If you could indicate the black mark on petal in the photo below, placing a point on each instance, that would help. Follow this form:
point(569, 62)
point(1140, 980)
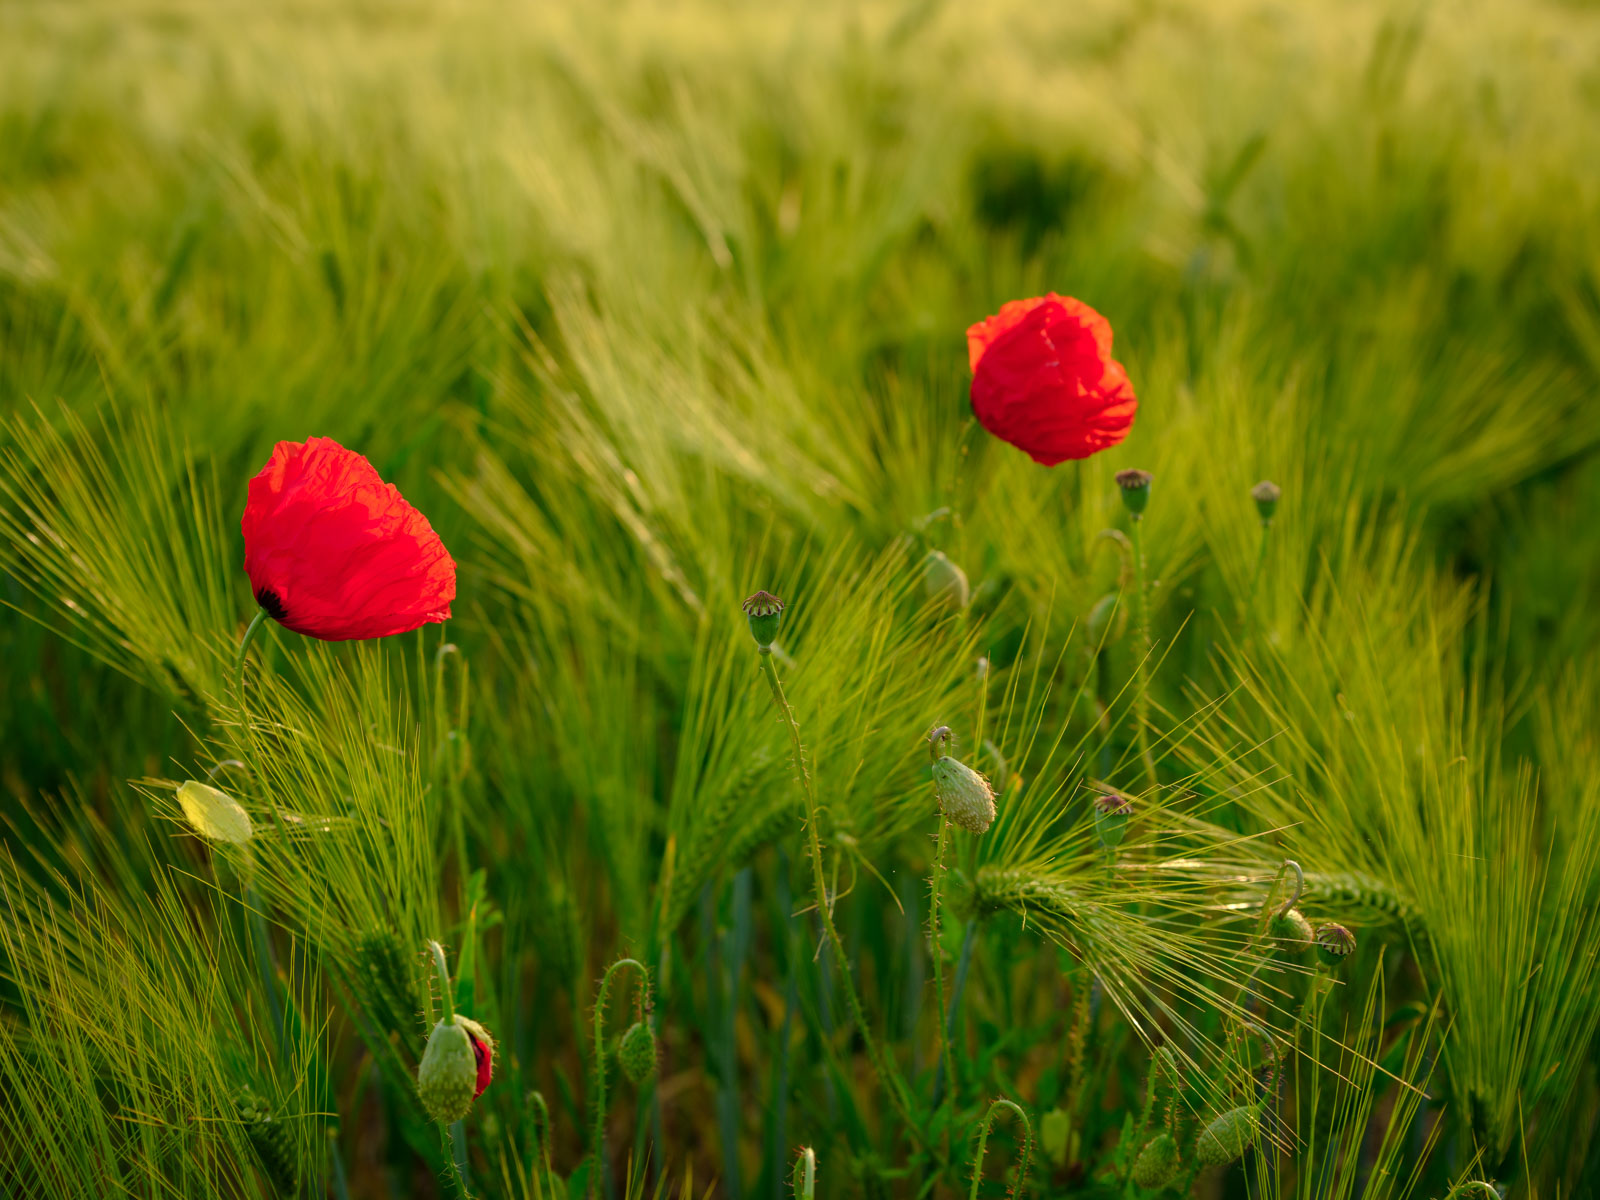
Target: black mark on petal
point(268, 599)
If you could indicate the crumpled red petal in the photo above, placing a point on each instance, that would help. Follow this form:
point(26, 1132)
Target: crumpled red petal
point(335, 553)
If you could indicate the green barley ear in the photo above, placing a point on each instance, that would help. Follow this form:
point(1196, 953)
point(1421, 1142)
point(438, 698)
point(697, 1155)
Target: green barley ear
point(386, 987)
point(271, 1140)
point(1112, 813)
point(1227, 1137)
point(213, 814)
point(965, 797)
point(945, 582)
point(1158, 1163)
point(1335, 943)
point(1266, 495)
point(1135, 485)
point(765, 613)
point(637, 1052)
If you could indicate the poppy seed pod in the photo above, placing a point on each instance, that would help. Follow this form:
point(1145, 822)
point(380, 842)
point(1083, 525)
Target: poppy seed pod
point(1043, 379)
point(1292, 930)
point(1158, 1163)
point(1335, 943)
point(214, 815)
point(965, 796)
point(1111, 815)
point(1266, 495)
point(1135, 485)
point(765, 612)
point(1229, 1136)
point(637, 1052)
point(943, 581)
point(448, 1077)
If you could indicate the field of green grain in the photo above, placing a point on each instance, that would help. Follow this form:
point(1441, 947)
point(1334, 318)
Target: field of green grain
point(648, 306)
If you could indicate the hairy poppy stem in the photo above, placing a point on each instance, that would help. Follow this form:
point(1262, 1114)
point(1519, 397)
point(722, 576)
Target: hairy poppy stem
point(824, 910)
point(444, 982)
point(983, 1146)
point(597, 1173)
point(805, 1174)
point(244, 645)
point(946, 1054)
point(1146, 649)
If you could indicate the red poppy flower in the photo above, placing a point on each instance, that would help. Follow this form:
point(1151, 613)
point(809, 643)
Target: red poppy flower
point(484, 1053)
point(334, 552)
point(1044, 380)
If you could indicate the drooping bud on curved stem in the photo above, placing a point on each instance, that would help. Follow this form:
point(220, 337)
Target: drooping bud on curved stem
point(983, 1146)
point(458, 1061)
point(597, 1173)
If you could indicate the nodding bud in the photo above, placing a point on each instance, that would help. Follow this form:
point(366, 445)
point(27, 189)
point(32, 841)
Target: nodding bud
point(765, 611)
point(1266, 495)
point(1135, 485)
point(1106, 621)
point(456, 1067)
point(945, 582)
point(1055, 1132)
point(1158, 1163)
point(965, 797)
point(1229, 1136)
point(637, 1052)
point(1292, 930)
point(1335, 943)
point(1111, 814)
point(214, 815)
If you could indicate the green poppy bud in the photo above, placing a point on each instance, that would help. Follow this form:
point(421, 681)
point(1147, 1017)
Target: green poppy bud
point(1055, 1128)
point(637, 1052)
point(1135, 485)
point(1111, 815)
point(1266, 494)
point(965, 797)
point(1292, 930)
point(943, 581)
point(765, 611)
point(448, 1075)
point(1158, 1163)
point(213, 814)
point(1229, 1136)
point(1335, 943)
point(1106, 620)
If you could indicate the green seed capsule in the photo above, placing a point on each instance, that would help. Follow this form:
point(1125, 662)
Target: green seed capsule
point(1266, 495)
point(1335, 943)
point(637, 1052)
point(1135, 485)
point(765, 612)
point(1158, 1163)
point(1229, 1136)
point(1111, 815)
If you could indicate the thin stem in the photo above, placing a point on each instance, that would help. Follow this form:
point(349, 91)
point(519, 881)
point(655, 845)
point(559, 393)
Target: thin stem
point(983, 1146)
point(456, 1176)
point(599, 1148)
point(1255, 580)
point(444, 982)
point(244, 644)
point(1141, 697)
point(947, 1058)
point(805, 1174)
point(824, 910)
point(957, 990)
point(458, 1152)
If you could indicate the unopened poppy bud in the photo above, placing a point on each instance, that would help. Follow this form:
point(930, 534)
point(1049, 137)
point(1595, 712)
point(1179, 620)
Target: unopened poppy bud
point(1106, 621)
point(1135, 485)
point(1266, 495)
point(1055, 1128)
point(1158, 1163)
point(943, 581)
point(1335, 943)
point(1292, 930)
point(447, 1079)
point(1229, 1136)
point(965, 796)
point(637, 1052)
point(765, 611)
point(214, 815)
point(482, 1053)
point(1111, 815)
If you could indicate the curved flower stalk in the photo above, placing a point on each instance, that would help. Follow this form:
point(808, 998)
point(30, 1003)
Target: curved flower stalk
point(983, 1146)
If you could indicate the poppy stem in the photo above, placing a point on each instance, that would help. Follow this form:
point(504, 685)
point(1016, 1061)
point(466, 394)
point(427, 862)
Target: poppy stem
point(983, 1146)
point(597, 1174)
point(444, 982)
point(945, 1053)
point(1142, 695)
point(880, 1064)
point(1255, 580)
point(244, 644)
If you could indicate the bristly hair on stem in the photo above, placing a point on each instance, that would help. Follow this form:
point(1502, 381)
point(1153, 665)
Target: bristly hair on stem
point(1023, 1159)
